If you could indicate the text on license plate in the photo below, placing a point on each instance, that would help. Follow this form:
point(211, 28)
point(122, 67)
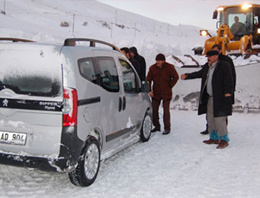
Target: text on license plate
point(13, 138)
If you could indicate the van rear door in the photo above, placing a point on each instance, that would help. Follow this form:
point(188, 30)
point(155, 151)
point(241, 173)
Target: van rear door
point(30, 99)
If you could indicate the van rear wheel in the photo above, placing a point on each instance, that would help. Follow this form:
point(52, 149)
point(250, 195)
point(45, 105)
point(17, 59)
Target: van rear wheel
point(146, 128)
point(88, 165)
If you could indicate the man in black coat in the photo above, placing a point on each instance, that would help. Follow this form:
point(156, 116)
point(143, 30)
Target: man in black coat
point(233, 71)
point(134, 55)
point(231, 64)
point(215, 97)
point(134, 62)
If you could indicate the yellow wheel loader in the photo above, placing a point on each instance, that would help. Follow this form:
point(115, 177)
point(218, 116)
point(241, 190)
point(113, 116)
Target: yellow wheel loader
point(238, 29)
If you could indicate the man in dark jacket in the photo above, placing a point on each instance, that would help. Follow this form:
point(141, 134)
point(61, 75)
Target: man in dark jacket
point(233, 71)
point(163, 76)
point(215, 97)
point(134, 55)
point(231, 64)
point(134, 62)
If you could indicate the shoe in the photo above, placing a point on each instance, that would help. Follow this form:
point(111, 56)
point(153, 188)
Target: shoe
point(166, 132)
point(204, 132)
point(223, 144)
point(211, 141)
point(155, 130)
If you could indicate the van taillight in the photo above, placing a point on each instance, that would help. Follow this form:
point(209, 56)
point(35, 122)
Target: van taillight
point(70, 108)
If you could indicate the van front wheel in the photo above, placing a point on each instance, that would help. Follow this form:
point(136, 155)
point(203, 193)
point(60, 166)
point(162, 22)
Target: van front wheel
point(146, 128)
point(88, 165)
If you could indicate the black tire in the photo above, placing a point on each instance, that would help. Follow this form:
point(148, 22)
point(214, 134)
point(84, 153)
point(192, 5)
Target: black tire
point(146, 128)
point(88, 165)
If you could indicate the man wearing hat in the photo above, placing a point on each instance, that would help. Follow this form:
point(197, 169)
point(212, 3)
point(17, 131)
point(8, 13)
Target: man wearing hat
point(163, 76)
point(215, 97)
point(233, 71)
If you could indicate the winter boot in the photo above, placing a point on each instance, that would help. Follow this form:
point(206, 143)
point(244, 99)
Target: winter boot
point(206, 131)
point(166, 132)
point(213, 138)
point(155, 130)
point(223, 142)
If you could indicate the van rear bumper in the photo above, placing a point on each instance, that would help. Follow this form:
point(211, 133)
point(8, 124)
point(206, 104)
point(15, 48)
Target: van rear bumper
point(70, 151)
point(24, 161)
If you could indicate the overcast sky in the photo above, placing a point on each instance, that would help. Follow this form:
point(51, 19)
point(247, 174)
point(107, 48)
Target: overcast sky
point(186, 12)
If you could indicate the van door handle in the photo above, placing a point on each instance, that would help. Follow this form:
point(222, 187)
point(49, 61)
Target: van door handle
point(124, 103)
point(120, 104)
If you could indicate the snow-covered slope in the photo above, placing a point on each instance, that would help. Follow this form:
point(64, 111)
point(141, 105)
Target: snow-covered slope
point(40, 20)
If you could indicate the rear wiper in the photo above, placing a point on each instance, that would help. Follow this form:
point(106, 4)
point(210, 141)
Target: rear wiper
point(2, 86)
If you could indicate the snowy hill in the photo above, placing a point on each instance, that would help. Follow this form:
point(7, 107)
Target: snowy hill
point(40, 20)
point(53, 21)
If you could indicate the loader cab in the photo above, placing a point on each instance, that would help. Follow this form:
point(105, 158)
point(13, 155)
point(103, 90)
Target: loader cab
point(241, 19)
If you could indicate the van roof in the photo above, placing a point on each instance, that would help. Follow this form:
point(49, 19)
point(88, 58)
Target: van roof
point(68, 42)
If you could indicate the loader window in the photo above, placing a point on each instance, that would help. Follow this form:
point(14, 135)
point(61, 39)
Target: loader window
point(256, 17)
point(239, 21)
point(236, 26)
point(256, 21)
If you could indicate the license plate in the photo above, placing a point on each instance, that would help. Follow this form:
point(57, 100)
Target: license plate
point(13, 138)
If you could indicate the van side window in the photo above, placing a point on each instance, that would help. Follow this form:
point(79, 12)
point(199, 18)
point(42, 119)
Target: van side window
point(129, 77)
point(108, 74)
point(86, 69)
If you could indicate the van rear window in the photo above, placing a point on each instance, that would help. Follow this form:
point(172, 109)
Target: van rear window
point(31, 69)
point(31, 85)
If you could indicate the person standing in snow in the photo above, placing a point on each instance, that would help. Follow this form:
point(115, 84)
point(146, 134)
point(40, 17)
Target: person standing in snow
point(215, 97)
point(233, 71)
point(164, 77)
point(134, 62)
point(134, 55)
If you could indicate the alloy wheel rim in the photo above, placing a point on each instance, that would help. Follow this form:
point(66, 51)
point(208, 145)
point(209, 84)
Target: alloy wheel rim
point(147, 126)
point(91, 161)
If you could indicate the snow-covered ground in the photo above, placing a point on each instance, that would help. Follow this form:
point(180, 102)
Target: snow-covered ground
point(175, 166)
point(178, 165)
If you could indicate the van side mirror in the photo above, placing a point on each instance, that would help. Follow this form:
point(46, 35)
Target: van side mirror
point(145, 87)
point(215, 14)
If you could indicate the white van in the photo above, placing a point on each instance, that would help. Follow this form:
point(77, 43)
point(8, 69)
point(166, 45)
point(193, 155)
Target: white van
point(69, 105)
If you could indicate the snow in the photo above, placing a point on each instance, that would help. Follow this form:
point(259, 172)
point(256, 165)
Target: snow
point(41, 61)
point(39, 20)
point(176, 165)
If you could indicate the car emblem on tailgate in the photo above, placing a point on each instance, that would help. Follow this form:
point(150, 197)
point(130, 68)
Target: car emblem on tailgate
point(5, 103)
